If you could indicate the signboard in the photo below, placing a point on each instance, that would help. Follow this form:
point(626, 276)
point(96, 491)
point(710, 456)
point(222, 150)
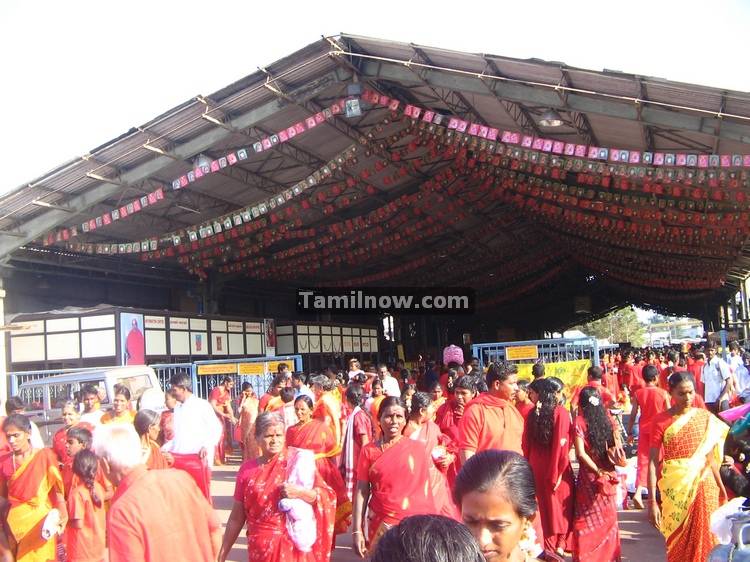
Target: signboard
point(571, 373)
point(252, 368)
point(178, 323)
point(521, 352)
point(155, 322)
point(218, 369)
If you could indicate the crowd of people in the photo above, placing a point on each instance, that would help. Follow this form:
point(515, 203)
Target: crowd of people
point(509, 469)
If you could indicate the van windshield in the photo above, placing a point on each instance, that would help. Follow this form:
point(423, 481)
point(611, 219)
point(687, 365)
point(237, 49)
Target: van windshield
point(136, 385)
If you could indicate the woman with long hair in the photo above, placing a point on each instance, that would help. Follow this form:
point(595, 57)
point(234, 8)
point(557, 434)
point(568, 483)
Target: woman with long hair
point(420, 427)
point(357, 434)
point(546, 444)
point(262, 483)
point(596, 537)
point(692, 442)
point(84, 537)
point(496, 495)
point(147, 427)
point(316, 435)
point(393, 480)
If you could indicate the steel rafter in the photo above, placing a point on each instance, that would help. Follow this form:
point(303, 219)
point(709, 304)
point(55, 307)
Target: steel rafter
point(516, 110)
point(580, 121)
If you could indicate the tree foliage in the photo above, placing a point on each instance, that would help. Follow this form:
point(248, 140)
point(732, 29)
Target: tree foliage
point(619, 326)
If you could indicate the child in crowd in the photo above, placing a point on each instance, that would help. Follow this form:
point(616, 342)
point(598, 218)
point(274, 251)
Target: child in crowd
point(85, 540)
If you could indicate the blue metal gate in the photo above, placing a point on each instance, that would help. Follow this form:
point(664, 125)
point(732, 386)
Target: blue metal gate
point(548, 351)
point(204, 383)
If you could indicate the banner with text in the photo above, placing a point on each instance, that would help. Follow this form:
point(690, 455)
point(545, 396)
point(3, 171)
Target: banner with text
point(572, 373)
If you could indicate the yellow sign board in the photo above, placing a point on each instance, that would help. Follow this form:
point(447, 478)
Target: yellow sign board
point(572, 373)
point(218, 369)
point(521, 352)
point(252, 369)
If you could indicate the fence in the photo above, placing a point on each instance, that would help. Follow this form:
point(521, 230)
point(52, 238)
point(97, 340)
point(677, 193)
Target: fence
point(543, 351)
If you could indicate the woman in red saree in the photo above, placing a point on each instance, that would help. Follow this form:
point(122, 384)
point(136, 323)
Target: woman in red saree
point(420, 427)
point(692, 441)
point(147, 427)
point(31, 487)
point(317, 436)
point(393, 474)
point(596, 537)
point(261, 484)
point(546, 445)
point(450, 414)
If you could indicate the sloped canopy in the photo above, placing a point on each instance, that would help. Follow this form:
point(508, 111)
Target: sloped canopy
point(359, 161)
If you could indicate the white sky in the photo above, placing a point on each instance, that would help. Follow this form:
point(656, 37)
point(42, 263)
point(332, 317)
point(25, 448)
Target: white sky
point(79, 73)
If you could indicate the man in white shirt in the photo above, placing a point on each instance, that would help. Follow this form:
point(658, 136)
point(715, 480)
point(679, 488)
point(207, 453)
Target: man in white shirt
point(300, 388)
point(197, 431)
point(716, 378)
point(390, 384)
point(92, 410)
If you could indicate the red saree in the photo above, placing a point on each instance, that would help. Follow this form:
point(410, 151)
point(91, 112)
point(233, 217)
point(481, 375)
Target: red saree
point(66, 461)
point(267, 536)
point(316, 436)
point(596, 536)
point(399, 481)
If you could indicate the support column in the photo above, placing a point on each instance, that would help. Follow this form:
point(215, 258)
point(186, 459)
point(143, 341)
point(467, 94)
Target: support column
point(4, 337)
point(744, 308)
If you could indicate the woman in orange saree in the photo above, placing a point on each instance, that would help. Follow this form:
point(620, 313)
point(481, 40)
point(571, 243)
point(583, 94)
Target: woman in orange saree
point(317, 436)
point(328, 409)
point(261, 484)
point(692, 440)
point(31, 485)
point(393, 474)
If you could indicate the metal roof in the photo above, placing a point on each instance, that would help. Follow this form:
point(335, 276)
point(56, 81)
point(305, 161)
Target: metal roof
point(601, 108)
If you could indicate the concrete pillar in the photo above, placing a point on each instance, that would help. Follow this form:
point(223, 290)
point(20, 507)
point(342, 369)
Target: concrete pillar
point(3, 351)
point(744, 309)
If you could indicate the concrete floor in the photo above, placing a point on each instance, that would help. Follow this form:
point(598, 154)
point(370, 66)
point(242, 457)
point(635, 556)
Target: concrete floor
point(640, 541)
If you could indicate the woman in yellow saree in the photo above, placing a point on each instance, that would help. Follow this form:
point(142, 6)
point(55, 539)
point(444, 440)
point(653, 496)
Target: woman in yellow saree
point(31, 486)
point(691, 490)
point(328, 410)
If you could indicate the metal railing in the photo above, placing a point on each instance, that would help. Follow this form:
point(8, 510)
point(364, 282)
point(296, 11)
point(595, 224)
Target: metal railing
point(548, 351)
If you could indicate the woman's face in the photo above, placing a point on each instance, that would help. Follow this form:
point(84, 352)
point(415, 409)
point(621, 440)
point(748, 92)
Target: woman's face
point(170, 401)
point(153, 431)
point(272, 441)
point(392, 421)
point(19, 440)
point(119, 404)
point(303, 411)
point(72, 446)
point(493, 521)
point(377, 390)
point(437, 393)
point(463, 396)
point(683, 394)
point(70, 416)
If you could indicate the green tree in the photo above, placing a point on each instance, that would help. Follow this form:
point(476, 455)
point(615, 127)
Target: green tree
point(619, 326)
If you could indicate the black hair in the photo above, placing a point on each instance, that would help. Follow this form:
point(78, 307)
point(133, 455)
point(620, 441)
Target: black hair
point(542, 418)
point(281, 367)
point(277, 380)
point(14, 404)
point(245, 386)
point(467, 382)
point(19, 421)
point(378, 382)
point(86, 466)
point(650, 373)
point(306, 399)
point(80, 434)
point(675, 379)
point(433, 386)
point(389, 401)
point(122, 389)
point(182, 380)
point(559, 384)
point(494, 468)
point(427, 538)
point(355, 395)
point(500, 371)
point(734, 481)
point(523, 385)
point(298, 376)
point(599, 426)
point(595, 373)
point(287, 394)
point(418, 401)
point(143, 420)
point(225, 379)
point(537, 371)
point(88, 390)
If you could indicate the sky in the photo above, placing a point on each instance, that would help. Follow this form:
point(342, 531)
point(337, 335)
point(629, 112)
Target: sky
point(79, 73)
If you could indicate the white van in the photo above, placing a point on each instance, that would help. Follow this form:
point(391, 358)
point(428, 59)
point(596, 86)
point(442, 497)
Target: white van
point(45, 397)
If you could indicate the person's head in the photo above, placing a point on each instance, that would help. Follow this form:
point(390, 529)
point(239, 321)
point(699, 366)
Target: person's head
point(541, 420)
point(711, 352)
point(303, 407)
point(427, 538)
point(146, 424)
point(672, 357)
point(227, 382)
point(383, 371)
point(650, 373)
point(421, 407)
point(502, 380)
point(321, 384)
point(377, 387)
point(182, 386)
point(682, 389)
point(287, 394)
point(270, 434)
point(355, 396)
point(391, 417)
point(298, 379)
point(465, 389)
point(17, 429)
point(170, 399)
point(86, 467)
point(436, 390)
point(278, 382)
point(14, 405)
point(77, 439)
point(247, 389)
point(594, 373)
point(121, 399)
point(599, 426)
point(70, 414)
point(119, 448)
point(90, 398)
point(283, 369)
point(496, 494)
point(409, 391)
point(522, 394)
point(734, 348)
point(537, 370)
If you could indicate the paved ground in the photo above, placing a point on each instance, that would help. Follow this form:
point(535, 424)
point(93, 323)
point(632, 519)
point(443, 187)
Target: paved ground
point(640, 541)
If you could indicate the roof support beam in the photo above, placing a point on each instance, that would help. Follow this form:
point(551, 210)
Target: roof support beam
point(45, 222)
point(580, 121)
point(516, 110)
point(646, 130)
